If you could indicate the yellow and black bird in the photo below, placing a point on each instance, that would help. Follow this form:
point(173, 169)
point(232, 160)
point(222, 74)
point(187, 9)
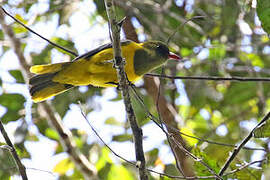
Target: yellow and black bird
point(96, 68)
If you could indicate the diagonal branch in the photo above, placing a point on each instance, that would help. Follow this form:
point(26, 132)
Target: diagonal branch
point(12, 149)
point(115, 28)
point(29, 29)
point(241, 145)
point(81, 162)
point(167, 111)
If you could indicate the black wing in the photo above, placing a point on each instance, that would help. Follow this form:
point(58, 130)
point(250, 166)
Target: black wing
point(91, 53)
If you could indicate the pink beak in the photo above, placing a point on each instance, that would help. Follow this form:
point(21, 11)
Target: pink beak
point(174, 56)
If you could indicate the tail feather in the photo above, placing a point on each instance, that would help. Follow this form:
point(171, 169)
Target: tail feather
point(48, 68)
point(39, 79)
point(43, 85)
point(43, 91)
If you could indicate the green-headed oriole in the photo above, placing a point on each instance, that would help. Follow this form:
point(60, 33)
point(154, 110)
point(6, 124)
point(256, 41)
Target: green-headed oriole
point(96, 68)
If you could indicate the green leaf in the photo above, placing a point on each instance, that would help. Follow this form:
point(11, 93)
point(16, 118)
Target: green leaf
point(209, 160)
point(262, 131)
point(44, 57)
point(18, 28)
point(119, 172)
point(113, 121)
point(122, 137)
point(263, 11)
point(64, 43)
point(186, 52)
point(10, 116)
point(52, 134)
point(152, 156)
point(17, 74)
point(218, 51)
point(13, 103)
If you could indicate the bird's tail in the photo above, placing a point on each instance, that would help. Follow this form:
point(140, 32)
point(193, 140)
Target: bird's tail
point(43, 85)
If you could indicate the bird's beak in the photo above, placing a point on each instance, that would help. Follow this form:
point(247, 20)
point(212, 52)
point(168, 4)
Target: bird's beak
point(174, 56)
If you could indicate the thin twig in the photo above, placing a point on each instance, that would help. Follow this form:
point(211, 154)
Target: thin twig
point(213, 78)
point(115, 28)
point(99, 137)
point(29, 29)
point(181, 25)
point(240, 146)
point(15, 156)
point(195, 158)
point(244, 166)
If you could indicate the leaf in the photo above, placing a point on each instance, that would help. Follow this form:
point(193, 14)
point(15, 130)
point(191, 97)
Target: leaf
point(63, 166)
point(64, 43)
point(18, 28)
point(20, 18)
point(52, 134)
point(17, 74)
point(262, 131)
point(119, 172)
point(13, 103)
point(263, 11)
point(152, 156)
point(104, 158)
point(122, 137)
point(209, 160)
point(187, 131)
point(113, 121)
point(43, 57)
point(218, 51)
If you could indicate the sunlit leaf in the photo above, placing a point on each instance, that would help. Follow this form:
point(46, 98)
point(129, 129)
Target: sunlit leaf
point(187, 131)
point(113, 121)
point(52, 134)
point(63, 166)
point(119, 172)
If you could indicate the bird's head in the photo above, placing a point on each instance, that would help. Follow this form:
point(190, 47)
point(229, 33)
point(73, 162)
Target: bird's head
point(160, 50)
point(153, 55)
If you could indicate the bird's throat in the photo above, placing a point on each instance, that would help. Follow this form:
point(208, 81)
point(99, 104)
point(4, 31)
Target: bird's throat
point(144, 62)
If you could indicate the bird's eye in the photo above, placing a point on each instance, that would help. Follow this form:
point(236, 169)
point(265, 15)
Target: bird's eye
point(162, 50)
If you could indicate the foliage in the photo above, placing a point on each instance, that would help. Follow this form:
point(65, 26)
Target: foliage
point(226, 42)
point(263, 10)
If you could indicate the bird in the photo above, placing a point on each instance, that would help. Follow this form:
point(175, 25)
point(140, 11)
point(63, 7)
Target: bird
point(96, 68)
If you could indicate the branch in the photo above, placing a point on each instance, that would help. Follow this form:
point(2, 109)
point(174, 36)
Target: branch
point(81, 162)
point(11, 148)
point(240, 146)
point(115, 28)
point(213, 78)
point(168, 112)
point(29, 29)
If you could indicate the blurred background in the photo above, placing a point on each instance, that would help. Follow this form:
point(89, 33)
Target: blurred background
point(227, 41)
